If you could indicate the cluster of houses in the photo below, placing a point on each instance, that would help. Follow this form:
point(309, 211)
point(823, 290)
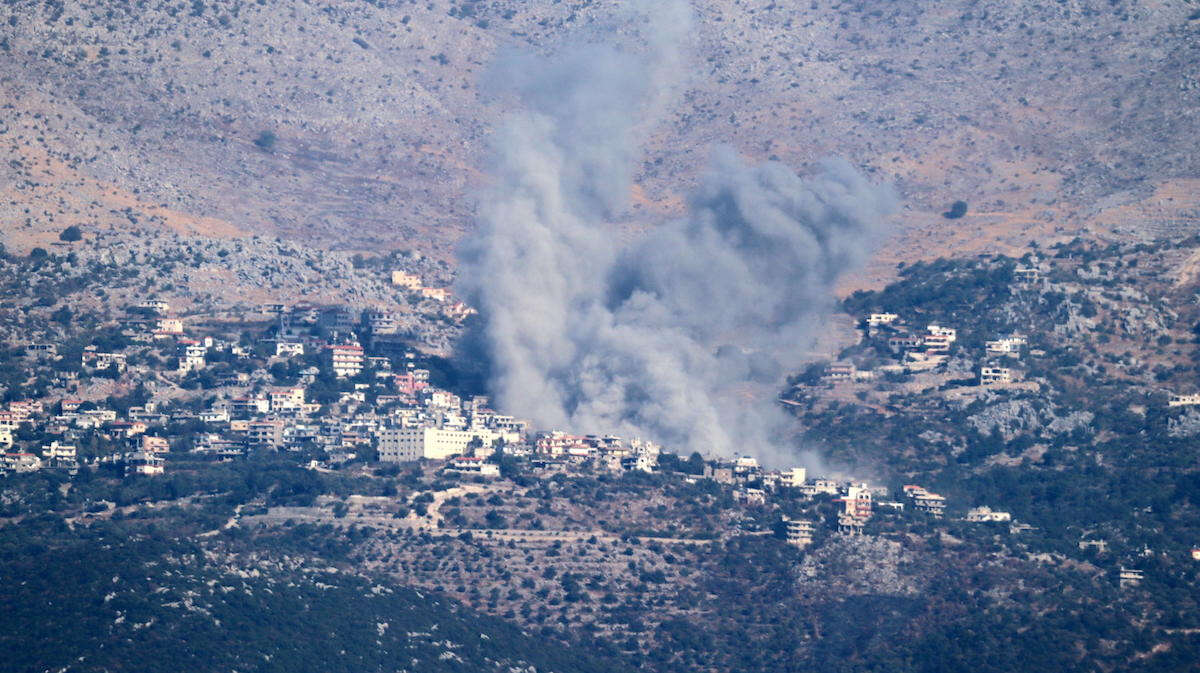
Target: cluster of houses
point(919, 351)
point(413, 283)
point(856, 501)
point(399, 415)
point(140, 453)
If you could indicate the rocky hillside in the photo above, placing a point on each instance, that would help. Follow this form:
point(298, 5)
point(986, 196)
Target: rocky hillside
point(361, 125)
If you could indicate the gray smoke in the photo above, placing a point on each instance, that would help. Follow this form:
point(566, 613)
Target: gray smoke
point(684, 336)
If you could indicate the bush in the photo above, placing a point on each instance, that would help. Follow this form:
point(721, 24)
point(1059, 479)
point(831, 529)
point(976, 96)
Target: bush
point(71, 234)
point(957, 210)
point(266, 140)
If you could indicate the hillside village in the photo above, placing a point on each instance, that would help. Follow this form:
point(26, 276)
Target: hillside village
point(338, 426)
point(336, 387)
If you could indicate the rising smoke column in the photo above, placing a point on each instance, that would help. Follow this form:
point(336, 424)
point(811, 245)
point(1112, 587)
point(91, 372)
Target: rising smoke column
point(677, 336)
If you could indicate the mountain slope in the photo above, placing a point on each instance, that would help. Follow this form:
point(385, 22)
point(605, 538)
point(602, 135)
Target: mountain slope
point(360, 124)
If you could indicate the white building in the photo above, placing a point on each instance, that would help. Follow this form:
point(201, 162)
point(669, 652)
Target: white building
point(877, 319)
point(403, 279)
point(192, 358)
point(157, 305)
point(398, 445)
point(286, 399)
point(793, 478)
point(799, 532)
point(993, 375)
point(1007, 346)
point(948, 332)
point(473, 465)
point(1183, 400)
point(937, 343)
point(986, 515)
point(1027, 274)
point(346, 360)
point(288, 348)
point(169, 326)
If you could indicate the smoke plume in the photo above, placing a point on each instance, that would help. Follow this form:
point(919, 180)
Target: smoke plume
point(685, 335)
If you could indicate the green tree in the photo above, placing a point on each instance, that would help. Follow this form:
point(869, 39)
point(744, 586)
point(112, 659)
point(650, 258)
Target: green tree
point(71, 234)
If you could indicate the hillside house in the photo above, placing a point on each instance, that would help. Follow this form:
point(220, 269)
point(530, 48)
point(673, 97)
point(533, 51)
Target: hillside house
point(288, 348)
point(1183, 400)
point(1027, 275)
point(168, 326)
point(265, 433)
point(472, 465)
point(1006, 346)
point(904, 342)
point(97, 360)
point(435, 293)
point(936, 330)
point(382, 322)
point(840, 371)
point(345, 359)
point(20, 462)
point(925, 501)
point(987, 515)
point(937, 343)
point(144, 463)
point(794, 477)
point(407, 280)
point(995, 375)
point(156, 305)
point(286, 399)
point(799, 532)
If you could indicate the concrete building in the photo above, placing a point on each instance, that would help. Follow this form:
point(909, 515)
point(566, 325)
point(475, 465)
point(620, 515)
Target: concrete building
point(266, 433)
point(144, 463)
point(473, 465)
point(288, 348)
point(1130, 577)
point(840, 371)
point(98, 360)
point(435, 293)
point(20, 462)
point(169, 326)
point(877, 319)
point(249, 406)
point(152, 444)
point(937, 343)
point(382, 322)
point(905, 342)
point(286, 399)
point(987, 515)
point(1006, 346)
point(157, 305)
point(1027, 274)
point(995, 375)
point(799, 532)
point(59, 453)
point(948, 332)
point(1183, 400)
point(346, 359)
point(398, 445)
point(925, 501)
point(406, 280)
point(794, 477)
point(192, 357)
